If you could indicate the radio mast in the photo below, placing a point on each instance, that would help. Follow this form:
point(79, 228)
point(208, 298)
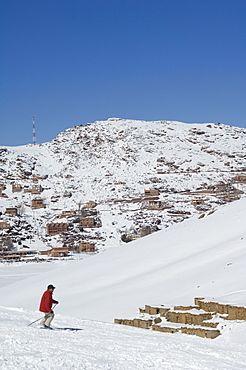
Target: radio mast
point(33, 131)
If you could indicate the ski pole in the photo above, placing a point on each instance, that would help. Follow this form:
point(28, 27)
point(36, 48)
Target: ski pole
point(34, 321)
point(40, 317)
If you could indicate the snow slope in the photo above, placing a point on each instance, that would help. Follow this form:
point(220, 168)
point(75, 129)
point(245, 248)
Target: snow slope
point(199, 257)
point(108, 347)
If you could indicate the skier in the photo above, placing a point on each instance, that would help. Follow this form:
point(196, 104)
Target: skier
point(46, 306)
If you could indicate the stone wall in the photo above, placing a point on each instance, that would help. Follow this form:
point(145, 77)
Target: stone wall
point(154, 310)
point(232, 312)
point(184, 308)
point(165, 329)
point(204, 333)
point(200, 320)
point(139, 323)
point(187, 317)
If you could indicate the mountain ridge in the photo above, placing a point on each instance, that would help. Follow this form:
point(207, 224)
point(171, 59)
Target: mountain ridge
point(112, 163)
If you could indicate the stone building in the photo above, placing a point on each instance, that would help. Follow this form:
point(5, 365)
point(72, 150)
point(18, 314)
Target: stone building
point(197, 201)
point(151, 192)
point(38, 203)
point(36, 189)
point(58, 252)
point(11, 211)
point(90, 204)
point(87, 247)
point(87, 222)
point(67, 214)
point(56, 228)
point(16, 188)
point(156, 205)
point(4, 225)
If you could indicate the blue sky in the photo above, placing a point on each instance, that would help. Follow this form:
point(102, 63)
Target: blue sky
point(69, 62)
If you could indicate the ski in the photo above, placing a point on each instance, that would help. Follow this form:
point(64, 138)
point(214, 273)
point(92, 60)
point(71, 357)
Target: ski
point(46, 327)
point(68, 329)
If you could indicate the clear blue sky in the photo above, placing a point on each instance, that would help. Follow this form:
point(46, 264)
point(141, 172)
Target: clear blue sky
point(68, 62)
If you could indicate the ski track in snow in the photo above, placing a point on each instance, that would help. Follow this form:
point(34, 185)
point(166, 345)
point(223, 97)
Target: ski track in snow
point(106, 346)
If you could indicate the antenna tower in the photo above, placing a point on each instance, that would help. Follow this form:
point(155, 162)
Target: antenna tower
point(33, 131)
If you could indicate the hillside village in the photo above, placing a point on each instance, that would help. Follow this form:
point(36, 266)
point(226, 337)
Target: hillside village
point(110, 182)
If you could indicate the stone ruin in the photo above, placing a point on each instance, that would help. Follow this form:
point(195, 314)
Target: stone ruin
point(204, 319)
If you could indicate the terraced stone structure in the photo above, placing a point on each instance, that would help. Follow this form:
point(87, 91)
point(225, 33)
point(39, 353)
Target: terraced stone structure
point(230, 312)
point(202, 319)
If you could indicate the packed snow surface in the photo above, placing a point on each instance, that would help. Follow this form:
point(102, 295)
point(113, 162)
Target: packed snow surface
point(196, 258)
point(107, 346)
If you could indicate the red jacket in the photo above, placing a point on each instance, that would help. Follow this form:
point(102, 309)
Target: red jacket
point(46, 302)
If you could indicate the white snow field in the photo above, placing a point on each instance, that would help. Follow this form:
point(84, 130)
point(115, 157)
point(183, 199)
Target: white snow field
point(196, 258)
point(108, 346)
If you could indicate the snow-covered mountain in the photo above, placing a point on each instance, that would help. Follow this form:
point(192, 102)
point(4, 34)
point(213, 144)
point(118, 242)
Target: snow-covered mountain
point(194, 168)
point(198, 170)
